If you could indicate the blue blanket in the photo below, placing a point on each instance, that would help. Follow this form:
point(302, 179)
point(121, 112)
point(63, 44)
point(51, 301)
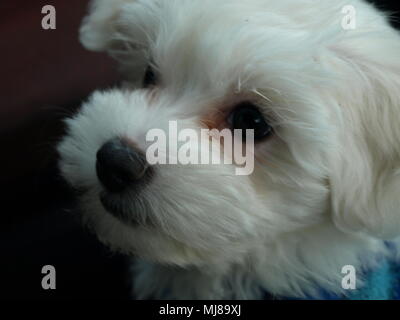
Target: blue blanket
point(380, 283)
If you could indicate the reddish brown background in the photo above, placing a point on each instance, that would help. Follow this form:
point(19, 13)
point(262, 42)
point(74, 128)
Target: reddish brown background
point(45, 75)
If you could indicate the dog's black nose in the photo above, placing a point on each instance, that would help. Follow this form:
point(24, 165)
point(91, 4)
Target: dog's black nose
point(119, 165)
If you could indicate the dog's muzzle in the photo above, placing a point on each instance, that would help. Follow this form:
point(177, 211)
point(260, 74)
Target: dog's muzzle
point(122, 170)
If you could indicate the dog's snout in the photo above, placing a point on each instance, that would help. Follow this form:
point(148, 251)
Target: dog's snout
point(119, 165)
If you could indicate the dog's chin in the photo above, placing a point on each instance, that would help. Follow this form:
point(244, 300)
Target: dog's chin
point(143, 241)
point(150, 245)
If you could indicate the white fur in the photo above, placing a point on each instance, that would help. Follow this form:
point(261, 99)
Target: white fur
point(325, 191)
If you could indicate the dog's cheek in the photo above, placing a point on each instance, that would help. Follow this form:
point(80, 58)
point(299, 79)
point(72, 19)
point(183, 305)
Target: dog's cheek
point(207, 204)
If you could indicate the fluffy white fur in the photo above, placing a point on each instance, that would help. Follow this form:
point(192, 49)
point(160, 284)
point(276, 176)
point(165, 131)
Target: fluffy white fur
point(325, 191)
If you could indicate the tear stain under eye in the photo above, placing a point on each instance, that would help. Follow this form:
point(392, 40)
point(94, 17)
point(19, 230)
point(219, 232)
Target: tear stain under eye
point(219, 111)
point(215, 120)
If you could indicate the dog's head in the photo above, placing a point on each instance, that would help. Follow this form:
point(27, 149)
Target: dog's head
point(323, 103)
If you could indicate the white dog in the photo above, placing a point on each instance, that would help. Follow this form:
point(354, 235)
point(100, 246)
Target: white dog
point(322, 93)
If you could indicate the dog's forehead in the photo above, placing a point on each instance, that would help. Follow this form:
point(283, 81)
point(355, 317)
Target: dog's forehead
point(217, 45)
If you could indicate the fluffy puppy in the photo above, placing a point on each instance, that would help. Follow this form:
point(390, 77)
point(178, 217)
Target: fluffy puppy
point(325, 188)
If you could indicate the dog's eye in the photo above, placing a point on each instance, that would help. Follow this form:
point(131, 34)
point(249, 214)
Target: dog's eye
point(150, 78)
point(247, 116)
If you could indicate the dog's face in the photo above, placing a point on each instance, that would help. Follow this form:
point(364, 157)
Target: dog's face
point(263, 65)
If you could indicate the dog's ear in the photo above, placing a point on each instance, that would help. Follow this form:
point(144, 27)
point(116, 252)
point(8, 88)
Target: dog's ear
point(365, 176)
point(99, 27)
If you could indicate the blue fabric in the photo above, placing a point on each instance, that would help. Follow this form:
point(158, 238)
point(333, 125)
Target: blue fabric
point(380, 283)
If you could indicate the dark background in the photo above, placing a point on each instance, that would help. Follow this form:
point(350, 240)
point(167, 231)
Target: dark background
point(45, 75)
